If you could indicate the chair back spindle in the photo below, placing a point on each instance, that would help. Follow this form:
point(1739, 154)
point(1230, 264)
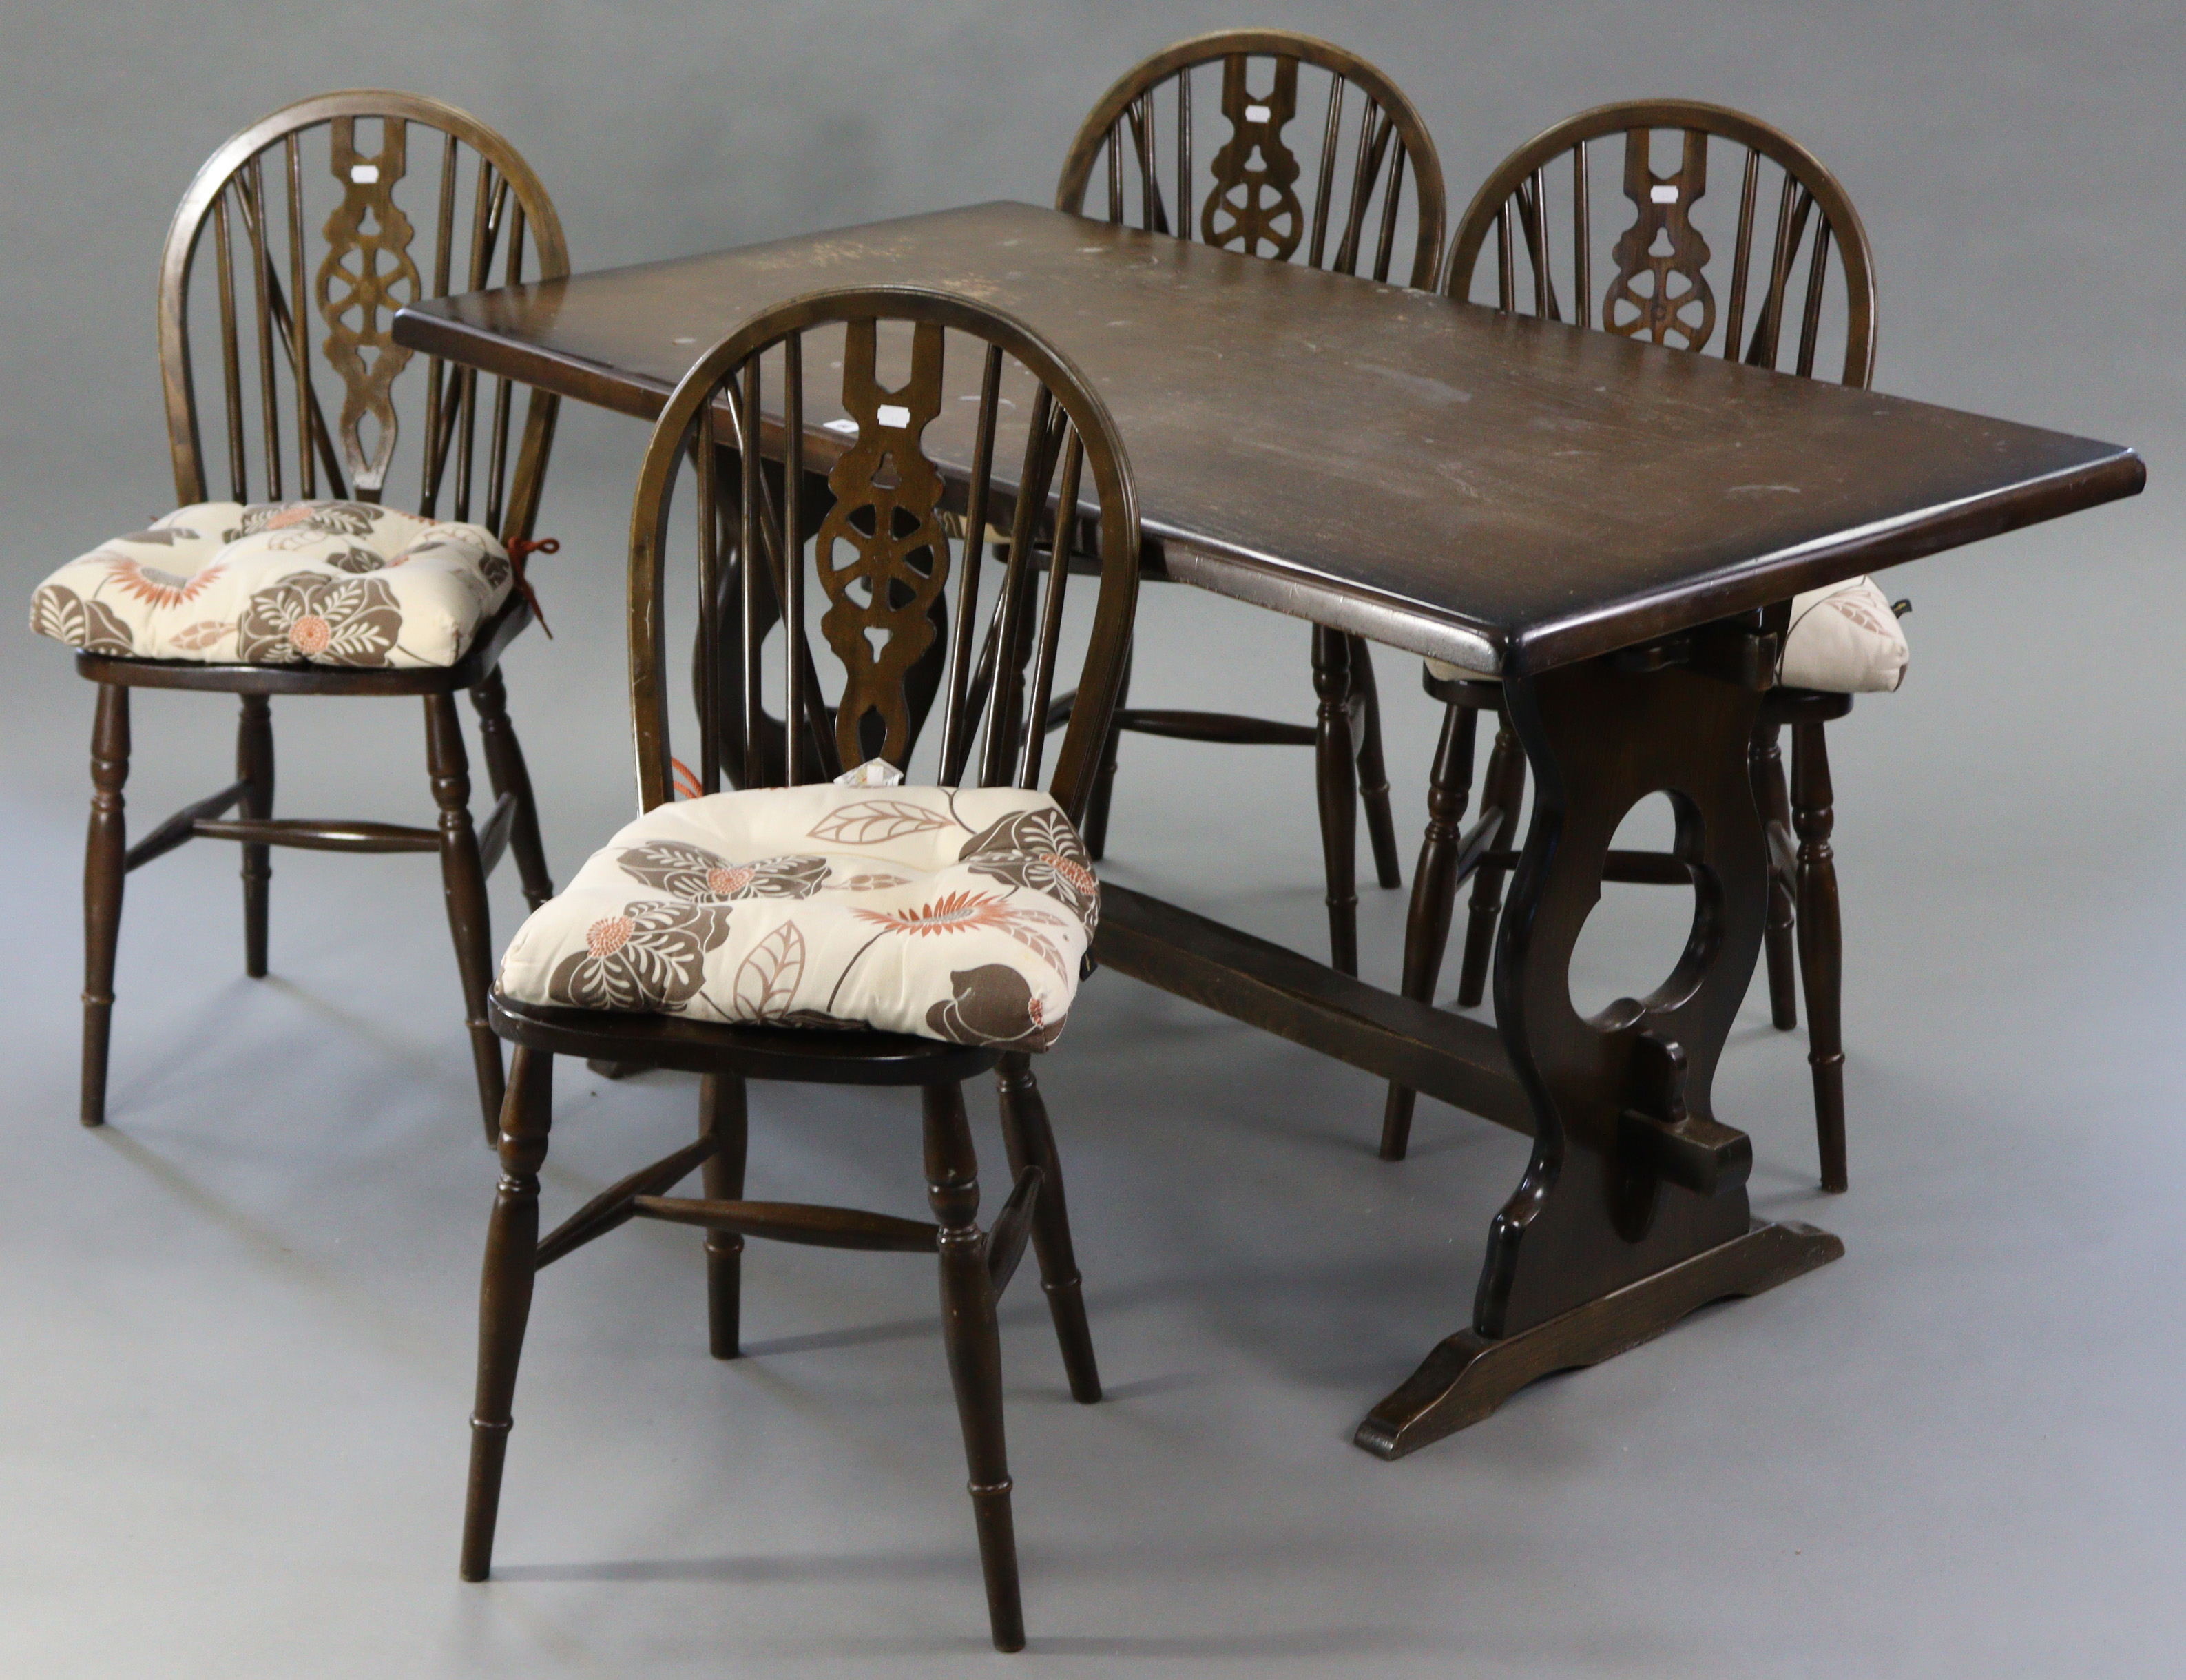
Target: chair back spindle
point(900, 587)
point(1251, 199)
point(1665, 277)
point(325, 378)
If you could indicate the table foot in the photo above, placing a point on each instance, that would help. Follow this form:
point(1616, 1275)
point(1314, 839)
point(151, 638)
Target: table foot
point(1469, 1375)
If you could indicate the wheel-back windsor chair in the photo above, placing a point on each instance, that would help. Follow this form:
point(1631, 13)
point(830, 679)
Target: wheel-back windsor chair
point(1536, 211)
point(1343, 208)
point(900, 590)
point(273, 369)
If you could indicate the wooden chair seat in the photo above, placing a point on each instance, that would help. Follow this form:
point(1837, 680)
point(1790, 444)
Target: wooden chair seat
point(846, 1056)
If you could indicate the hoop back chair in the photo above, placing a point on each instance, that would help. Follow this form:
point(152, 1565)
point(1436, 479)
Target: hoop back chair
point(309, 408)
point(1374, 157)
point(1663, 282)
point(903, 582)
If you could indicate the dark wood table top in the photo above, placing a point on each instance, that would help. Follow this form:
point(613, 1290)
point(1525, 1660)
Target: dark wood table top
point(1508, 494)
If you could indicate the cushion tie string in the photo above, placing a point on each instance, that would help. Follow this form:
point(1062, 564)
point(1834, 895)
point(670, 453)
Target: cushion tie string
point(686, 781)
point(520, 551)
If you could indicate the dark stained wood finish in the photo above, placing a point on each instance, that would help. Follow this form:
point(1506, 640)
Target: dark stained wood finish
point(901, 583)
point(1820, 942)
point(1469, 1375)
point(1251, 203)
point(250, 214)
point(254, 770)
point(1030, 1146)
point(511, 779)
point(1813, 217)
point(1249, 200)
point(462, 875)
point(1772, 794)
point(1457, 1060)
point(105, 862)
point(1633, 607)
point(1331, 475)
point(511, 1245)
point(724, 1119)
point(1662, 286)
point(1434, 891)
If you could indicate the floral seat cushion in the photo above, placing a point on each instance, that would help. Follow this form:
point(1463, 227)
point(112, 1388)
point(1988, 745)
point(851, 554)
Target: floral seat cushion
point(339, 583)
point(1844, 640)
point(961, 914)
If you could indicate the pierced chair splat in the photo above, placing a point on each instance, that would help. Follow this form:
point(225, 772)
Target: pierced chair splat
point(851, 930)
point(299, 575)
point(1761, 295)
point(1347, 205)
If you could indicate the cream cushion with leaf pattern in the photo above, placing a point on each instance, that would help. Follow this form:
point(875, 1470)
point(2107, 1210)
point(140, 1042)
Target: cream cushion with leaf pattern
point(961, 914)
point(1844, 639)
point(342, 583)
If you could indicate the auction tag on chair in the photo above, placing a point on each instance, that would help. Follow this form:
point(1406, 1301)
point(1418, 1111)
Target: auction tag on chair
point(874, 772)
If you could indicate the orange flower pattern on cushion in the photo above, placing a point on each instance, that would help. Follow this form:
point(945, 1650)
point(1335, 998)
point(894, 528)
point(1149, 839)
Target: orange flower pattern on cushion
point(269, 584)
point(692, 872)
point(650, 956)
point(1039, 851)
point(960, 912)
point(327, 619)
point(158, 587)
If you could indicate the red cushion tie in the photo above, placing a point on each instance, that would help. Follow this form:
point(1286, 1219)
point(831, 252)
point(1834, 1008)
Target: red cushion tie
point(520, 551)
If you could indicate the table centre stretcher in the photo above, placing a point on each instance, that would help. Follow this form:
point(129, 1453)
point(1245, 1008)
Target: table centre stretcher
point(1613, 529)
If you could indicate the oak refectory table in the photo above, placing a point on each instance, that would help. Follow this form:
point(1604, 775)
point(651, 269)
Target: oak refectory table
point(1609, 528)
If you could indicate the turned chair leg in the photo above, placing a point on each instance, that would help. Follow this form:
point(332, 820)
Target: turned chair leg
point(462, 873)
point(1373, 772)
point(1336, 780)
point(508, 774)
point(1771, 795)
point(106, 862)
point(1030, 1142)
point(254, 764)
point(975, 1355)
point(511, 1244)
point(1821, 943)
point(1434, 896)
point(1503, 787)
point(1104, 783)
point(722, 1117)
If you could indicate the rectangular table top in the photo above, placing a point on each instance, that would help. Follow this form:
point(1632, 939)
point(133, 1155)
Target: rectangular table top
point(1502, 492)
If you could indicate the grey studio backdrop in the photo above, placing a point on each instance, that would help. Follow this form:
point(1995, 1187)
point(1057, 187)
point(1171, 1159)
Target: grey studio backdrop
point(235, 1327)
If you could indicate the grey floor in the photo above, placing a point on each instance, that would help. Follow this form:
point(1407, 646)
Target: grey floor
point(236, 1325)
